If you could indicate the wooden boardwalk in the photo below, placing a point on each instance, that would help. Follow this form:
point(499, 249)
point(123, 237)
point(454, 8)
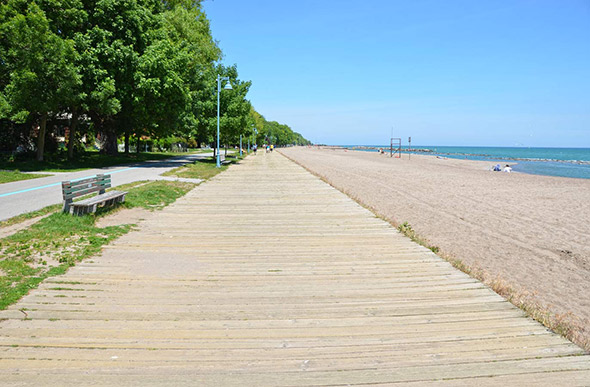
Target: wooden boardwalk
point(265, 275)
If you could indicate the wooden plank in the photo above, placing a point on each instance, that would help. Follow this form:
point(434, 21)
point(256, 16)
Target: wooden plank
point(265, 275)
point(100, 198)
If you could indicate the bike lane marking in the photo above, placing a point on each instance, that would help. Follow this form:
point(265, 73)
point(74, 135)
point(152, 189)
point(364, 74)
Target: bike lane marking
point(54, 184)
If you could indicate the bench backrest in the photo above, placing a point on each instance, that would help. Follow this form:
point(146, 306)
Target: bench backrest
point(74, 189)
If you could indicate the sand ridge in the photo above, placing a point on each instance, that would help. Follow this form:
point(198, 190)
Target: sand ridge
point(531, 231)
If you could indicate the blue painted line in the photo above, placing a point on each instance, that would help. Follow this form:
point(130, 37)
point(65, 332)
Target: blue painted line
point(54, 184)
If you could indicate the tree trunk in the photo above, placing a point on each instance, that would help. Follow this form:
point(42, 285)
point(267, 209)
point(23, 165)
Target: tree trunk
point(138, 145)
point(127, 142)
point(72, 136)
point(109, 145)
point(41, 138)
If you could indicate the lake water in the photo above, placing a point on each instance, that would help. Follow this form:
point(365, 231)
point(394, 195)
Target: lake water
point(564, 162)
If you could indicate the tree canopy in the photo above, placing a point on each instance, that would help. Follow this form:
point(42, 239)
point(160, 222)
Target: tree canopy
point(272, 132)
point(127, 69)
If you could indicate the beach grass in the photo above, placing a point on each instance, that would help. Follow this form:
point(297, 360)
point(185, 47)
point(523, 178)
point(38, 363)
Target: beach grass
point(566, 324)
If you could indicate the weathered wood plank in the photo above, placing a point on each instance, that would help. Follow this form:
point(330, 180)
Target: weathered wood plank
point(265, 275)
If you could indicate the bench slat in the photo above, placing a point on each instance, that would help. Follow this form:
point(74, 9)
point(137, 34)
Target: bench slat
point(84, 192)
point(73, 183)
point(99, 183)
point(74, 187)
point(68, 194)
point(99, 198)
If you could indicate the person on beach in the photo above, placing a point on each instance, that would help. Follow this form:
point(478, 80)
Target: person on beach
point(496, 168)
point(507, 168)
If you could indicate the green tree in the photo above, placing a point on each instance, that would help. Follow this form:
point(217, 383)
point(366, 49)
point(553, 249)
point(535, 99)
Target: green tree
point(188, 29)
point(234, 107)
point(273, 132)
point(119, 33)
point(40, 65)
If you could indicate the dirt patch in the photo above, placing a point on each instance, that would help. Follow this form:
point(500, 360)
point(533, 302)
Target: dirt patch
point(123, 216)
point(13, 229)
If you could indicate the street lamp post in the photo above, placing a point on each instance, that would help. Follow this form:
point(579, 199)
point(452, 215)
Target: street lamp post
point(241, 145)
point(226, 87)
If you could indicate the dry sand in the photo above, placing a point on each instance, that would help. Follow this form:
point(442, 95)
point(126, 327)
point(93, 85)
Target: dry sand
point(533, 232)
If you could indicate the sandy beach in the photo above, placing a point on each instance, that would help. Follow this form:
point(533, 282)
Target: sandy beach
point(528, 232)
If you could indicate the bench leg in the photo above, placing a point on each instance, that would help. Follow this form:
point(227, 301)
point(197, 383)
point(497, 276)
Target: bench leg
point(67, 206)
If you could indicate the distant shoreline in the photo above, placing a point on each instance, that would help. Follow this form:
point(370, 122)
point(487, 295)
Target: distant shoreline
point(561, 162)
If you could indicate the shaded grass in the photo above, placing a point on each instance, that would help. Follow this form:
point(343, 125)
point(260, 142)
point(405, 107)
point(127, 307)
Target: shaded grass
point(60, 240)
point(9, 176)
point(87, 160)
point(201, 169)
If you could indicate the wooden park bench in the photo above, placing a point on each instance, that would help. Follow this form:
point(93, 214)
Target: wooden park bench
point(77, 188)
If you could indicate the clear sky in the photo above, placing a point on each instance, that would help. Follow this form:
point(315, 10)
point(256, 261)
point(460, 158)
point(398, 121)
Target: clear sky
point(473, 72)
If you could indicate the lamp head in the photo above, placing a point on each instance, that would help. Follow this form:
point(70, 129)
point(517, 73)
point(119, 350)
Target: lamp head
point(227, 86)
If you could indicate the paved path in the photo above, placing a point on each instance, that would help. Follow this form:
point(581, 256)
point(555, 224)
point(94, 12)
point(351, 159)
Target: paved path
point(30, 195)
point(265, 275)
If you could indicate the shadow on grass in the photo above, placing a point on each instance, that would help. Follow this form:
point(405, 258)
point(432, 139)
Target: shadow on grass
point(87, 160)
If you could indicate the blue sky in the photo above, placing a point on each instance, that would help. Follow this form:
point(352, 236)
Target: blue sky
point(489, 73)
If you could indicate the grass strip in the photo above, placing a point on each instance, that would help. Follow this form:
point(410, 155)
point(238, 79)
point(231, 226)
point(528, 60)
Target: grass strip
point(52, 245)
point(201, 169)
point(87, 160)
point(154, 195)
point(10, 176)
point(30, 215)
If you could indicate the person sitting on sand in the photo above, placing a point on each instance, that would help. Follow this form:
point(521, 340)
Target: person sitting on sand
point(507, 168)
point(497, 168)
